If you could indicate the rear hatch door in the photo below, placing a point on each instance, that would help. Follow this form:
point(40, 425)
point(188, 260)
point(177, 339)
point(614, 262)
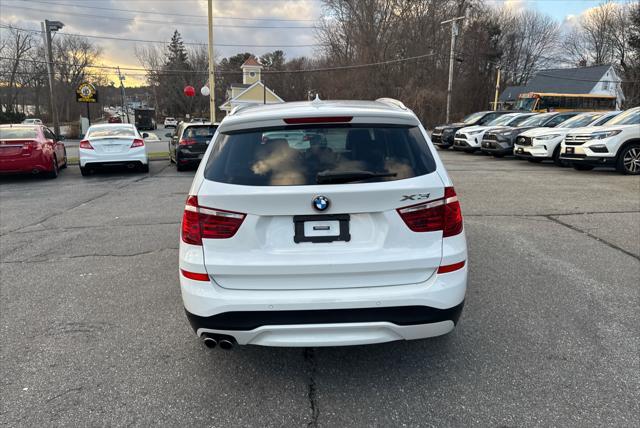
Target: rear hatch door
point(288, 241)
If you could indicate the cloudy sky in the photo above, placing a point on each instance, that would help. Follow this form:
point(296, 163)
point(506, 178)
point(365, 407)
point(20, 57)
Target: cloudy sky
point(238, 22)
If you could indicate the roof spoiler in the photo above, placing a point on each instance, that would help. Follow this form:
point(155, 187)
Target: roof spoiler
point(241, 107)
point(391, 102)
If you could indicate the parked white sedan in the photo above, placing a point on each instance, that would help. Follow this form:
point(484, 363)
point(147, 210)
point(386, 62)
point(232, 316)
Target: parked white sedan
point(117, 144)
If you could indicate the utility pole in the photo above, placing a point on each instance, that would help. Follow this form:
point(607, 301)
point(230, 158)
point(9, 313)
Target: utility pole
point(123, 96)
point(47, 27)
point(495, 99)
point(454, 34)
point(212, 77)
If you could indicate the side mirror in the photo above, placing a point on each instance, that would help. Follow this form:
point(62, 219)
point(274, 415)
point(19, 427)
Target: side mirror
point(168, 135)
point(60, 137)
point(145, 135)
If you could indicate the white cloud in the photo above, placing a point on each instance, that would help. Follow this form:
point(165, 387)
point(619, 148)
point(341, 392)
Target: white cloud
point(81, 19)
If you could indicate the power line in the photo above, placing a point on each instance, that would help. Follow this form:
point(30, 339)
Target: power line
point(271, 72)
point(123, 39)
point(185, 15)
point(151, 21)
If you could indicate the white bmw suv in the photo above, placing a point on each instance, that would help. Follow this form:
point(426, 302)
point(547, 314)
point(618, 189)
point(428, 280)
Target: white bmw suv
point(615, 144)
point(348, 233)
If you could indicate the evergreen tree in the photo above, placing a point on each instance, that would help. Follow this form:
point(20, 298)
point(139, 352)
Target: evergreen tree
point(176, 53)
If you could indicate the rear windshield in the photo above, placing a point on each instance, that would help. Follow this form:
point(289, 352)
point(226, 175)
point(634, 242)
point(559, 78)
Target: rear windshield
point(296, 156)
point(201, 133)
point(18, 133)
point(111, 131)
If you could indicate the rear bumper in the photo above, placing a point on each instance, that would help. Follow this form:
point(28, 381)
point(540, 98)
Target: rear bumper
point(189, 155)
point(341, 327)
point(335, 317)
point(23, 164)
point(86, 157)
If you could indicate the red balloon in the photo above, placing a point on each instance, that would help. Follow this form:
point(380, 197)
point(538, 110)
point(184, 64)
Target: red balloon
point(189, 91)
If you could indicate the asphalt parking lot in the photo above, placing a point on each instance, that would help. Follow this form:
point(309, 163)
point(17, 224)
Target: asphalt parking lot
point(94, 334)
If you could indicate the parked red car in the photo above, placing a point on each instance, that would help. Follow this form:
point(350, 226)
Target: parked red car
point(31, 148)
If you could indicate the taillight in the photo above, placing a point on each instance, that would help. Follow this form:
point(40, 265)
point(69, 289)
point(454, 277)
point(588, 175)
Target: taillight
point(442, 214)
point(85, 144)
point(208, 223)
point(186, 142)
point(137, 143)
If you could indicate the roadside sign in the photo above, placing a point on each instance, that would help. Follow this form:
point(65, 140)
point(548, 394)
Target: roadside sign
point(86, 93)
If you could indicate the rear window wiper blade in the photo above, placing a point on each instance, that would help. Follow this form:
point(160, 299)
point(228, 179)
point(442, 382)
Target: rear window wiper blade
point(335, 177)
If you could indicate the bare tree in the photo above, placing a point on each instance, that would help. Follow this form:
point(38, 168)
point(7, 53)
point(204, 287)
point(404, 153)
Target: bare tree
point(73, 57)
point(17, 46)
point(591, 40)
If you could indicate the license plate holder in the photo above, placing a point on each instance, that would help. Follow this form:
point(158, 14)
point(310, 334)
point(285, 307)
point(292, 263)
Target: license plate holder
point(570, 150)
point(319, 228)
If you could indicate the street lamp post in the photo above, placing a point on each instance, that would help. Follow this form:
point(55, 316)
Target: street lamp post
point(47, 28)
point(212, 77)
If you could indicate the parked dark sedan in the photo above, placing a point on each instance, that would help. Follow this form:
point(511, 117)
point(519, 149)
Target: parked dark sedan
point(442, 135)
point(500, 141)
point(189, 142)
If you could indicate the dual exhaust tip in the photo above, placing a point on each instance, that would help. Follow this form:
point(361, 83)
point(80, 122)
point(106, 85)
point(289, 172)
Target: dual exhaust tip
point(211, 341)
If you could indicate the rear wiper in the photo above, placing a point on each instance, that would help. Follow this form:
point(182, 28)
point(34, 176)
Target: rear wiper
point(336, 177)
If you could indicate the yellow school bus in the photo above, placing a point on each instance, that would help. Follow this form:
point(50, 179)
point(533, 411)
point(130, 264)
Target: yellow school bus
point(541, 102)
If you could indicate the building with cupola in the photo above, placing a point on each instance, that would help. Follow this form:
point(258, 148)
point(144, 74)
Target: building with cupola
point(252, 90)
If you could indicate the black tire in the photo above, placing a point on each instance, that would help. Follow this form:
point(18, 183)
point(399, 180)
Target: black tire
point(66, 160)
point(85, 171)
point(497, 155)
point(54, 172)
point(178, 166)
point(581, 167)
point(144, 168)
point(628, 161)
point(534, 160)
point(556, 157)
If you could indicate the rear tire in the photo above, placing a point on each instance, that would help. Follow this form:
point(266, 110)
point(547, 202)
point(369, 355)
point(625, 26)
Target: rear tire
point(580, 167)
point(628, 161)
point(144, 167)
point(64, 165)
point(54, 172)
point(85, 171)
point(178, 166)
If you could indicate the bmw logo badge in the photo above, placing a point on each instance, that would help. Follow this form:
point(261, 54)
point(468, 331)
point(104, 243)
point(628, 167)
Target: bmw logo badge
point(320, 203)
